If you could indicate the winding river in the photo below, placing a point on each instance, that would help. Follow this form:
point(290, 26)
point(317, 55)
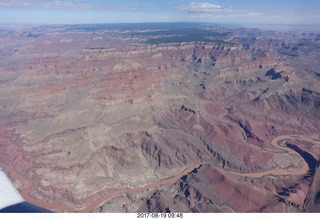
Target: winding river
point(63, 208)
point(304, 168)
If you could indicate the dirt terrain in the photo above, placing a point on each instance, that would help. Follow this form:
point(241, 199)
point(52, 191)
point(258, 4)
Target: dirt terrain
point(129, 119)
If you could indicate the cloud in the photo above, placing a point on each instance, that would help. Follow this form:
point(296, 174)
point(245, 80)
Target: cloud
point(209, 10)
point(7, 3)
point(55, 4)
point(200, 7)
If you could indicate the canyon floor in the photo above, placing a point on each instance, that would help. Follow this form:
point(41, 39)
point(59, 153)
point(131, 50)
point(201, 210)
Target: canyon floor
point(177, 117)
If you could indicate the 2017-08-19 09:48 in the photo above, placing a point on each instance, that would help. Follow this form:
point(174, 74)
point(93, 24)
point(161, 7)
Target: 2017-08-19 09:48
point(159, 215)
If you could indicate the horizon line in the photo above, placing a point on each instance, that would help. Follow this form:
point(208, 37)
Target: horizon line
point(163, 22)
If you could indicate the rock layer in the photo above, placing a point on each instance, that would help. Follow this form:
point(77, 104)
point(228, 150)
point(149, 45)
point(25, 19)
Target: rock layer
point(85, 114)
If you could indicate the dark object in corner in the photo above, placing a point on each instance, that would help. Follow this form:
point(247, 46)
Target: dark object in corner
point(24, 207)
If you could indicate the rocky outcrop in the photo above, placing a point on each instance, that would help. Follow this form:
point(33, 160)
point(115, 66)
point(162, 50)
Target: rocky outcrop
point(89, 113)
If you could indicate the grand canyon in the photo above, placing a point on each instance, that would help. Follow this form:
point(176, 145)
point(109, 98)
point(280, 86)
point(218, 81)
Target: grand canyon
point(164, 117)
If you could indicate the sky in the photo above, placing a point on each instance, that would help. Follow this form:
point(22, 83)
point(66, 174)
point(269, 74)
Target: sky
point(125, 11)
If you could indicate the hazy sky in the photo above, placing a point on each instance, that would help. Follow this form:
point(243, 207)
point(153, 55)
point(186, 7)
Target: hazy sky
point(119, 11)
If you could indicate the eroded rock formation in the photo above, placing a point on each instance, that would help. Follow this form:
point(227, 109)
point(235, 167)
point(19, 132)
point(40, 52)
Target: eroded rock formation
point(93, 113)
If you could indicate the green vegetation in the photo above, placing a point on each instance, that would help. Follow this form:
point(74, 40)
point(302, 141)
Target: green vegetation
point(178, 34)
point(157, 33)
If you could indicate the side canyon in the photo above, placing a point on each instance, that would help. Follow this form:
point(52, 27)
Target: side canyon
point(134, 119)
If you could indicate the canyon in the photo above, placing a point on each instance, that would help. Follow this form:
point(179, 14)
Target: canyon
point(154, 118)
